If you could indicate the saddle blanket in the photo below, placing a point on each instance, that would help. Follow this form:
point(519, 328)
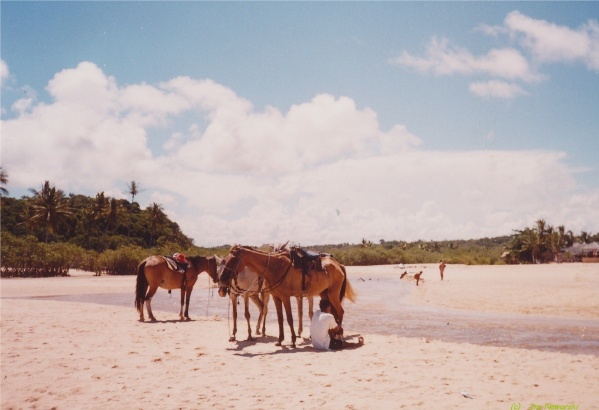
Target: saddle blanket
point(172, 263)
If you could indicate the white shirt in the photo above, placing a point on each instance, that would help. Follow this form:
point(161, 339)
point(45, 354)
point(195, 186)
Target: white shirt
point(319, 329)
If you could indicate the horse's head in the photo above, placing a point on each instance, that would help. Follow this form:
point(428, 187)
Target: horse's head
point(227, 271)
point(213, 267)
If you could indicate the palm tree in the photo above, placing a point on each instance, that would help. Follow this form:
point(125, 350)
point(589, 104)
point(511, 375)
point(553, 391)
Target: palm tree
point(584, 237)
point(365, 243)
point(157, 218)
point(134, 189)
point(3, 181)
point(98, 210)
point(112, 214)
point(561, 230)
point(50, 209)
point(541, 229)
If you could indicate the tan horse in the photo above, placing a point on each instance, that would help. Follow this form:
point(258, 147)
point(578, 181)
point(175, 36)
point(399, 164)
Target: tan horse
point(153, 272)
point(249, 285)
point(284, 281)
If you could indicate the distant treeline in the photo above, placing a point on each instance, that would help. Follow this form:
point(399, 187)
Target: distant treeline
point(26, 256)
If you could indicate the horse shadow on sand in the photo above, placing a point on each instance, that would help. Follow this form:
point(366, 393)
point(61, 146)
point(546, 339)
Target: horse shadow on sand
point(302, 345)
point(151, 322)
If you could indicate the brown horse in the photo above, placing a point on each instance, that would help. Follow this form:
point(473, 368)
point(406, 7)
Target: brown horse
point(284, 281)
point(154, 271)
point(249, 285)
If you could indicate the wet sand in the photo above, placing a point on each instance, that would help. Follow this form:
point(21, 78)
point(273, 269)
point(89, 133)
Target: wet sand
point(517, 334)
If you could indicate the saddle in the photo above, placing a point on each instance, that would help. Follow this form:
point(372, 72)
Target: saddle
point(177, 263)
point(306, 261)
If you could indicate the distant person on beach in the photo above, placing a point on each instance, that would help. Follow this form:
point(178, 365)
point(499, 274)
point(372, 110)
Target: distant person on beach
point(326, 334)
point(417, 277)
point(442, 266)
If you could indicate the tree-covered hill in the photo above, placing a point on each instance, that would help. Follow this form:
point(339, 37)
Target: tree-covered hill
point(97, 224)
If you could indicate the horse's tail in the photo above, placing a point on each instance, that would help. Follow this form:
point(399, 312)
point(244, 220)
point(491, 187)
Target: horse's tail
point(141, 287)
point(346, 289)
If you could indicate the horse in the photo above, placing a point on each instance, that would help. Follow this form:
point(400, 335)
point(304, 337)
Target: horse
point(249, 285)
point(154, 271)
point(284, 281)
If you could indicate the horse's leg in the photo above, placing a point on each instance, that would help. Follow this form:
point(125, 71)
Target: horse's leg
point(336, 304)
point(182, 302)
point(256, 299)
point(265, 300)
point(311, 307)
point(300, 314)
point(187, 298)
point(234, 303)
point(148, 298)
point(246, 302)
point(287, 303)
point(279, 306)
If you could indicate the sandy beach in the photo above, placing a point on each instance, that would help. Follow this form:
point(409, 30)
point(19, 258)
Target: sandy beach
point(76, 343)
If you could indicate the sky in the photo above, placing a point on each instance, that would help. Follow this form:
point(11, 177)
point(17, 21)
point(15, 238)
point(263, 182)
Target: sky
point(315, 122)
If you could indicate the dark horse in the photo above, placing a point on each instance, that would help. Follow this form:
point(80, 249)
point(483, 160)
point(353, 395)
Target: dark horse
point(154, 271)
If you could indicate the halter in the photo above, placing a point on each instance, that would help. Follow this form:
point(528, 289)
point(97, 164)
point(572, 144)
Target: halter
point(234, 275)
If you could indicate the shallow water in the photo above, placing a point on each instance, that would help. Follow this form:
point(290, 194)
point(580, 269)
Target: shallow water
point(381, 310)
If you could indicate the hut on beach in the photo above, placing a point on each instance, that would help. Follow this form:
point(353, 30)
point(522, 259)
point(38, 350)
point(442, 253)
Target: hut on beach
point(584, 252)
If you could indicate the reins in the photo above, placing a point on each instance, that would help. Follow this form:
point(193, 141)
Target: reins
point(280, 281)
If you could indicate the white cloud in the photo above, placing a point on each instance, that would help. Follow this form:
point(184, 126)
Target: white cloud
point(550, 42)
point(3, 72)
point(442, 58)
point(494, 88)
point(242, 175)
point(420, 195)
point(22, 104)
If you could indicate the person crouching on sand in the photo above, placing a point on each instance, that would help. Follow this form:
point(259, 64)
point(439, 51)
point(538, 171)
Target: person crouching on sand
point(326, 334)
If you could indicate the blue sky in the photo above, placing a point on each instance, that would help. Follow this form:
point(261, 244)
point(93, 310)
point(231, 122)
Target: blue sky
point(319, 122)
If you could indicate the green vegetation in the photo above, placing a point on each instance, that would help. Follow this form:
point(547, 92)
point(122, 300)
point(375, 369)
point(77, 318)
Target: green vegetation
point(485, 251)
point(48, 233)
point(543, 243)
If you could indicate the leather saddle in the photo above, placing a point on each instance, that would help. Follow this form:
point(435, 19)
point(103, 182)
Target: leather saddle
point(306, 261)
point(174, 264)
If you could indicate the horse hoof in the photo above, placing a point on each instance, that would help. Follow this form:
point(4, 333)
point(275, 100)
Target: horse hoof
point(232, 339)
point(278, 344)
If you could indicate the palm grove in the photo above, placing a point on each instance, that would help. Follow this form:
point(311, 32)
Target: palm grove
point(81, 232)
point(48, 233)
